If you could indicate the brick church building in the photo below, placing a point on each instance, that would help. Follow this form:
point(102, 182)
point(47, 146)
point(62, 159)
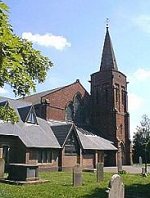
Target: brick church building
point(104, 111)
point(110, 102)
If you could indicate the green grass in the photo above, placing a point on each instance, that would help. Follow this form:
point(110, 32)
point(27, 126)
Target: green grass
point(60, 186)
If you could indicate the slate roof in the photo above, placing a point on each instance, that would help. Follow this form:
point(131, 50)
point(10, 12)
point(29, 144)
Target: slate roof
point(32, 135)
point(90, 141)
point(14, 103)
point(36, 98)
point(108, 61)
point(61, 132)
point(46, 134)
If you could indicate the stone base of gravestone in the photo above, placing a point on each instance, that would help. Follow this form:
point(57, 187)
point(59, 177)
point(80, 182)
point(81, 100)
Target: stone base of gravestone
point(2, 166)
point(77, 176)
point(116, 187)
point(144, 174)
point(100, 172)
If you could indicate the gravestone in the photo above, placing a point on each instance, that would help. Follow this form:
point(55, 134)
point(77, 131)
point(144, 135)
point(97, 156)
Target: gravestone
point(77, 176)
point(140, 161)
point(116, 187)
point(1, 152)
point(119, 160)
point(2, 165)
point(100, 172)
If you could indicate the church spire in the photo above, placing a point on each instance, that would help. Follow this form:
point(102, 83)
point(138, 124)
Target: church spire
point(108, 61)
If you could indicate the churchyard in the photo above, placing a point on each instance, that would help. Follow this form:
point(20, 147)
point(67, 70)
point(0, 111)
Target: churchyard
point(61, 185)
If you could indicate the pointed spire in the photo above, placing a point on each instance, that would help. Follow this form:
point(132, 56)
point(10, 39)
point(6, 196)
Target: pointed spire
point(108, 61)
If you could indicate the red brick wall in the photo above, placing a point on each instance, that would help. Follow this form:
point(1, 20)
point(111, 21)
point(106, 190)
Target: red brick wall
point(32, 158)
point(88, 161)
point(58, 100)
point(109, 112)
point(69, 161)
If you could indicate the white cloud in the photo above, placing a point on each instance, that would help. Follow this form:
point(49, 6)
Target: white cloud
point(143, 22)
point(3, 91)
point(47, 40)
point(135, 102)
point(140, 75)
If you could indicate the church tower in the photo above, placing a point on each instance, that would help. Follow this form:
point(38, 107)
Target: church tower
point(110, 115)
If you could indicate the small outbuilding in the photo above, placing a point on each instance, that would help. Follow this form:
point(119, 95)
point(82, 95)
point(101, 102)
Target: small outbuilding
point(79, 146)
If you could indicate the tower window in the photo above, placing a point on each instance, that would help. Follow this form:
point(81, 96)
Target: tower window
point(105, 92)
point(117, 93)
point(123, 93)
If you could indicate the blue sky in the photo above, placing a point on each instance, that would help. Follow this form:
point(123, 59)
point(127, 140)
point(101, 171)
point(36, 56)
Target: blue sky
point(71, 33)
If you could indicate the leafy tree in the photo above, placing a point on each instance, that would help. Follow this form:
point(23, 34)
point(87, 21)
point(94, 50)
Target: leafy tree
point(8, 114)
point(141, 140)
point(21, 66)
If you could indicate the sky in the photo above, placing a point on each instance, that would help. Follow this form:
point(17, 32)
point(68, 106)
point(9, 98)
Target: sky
point(71, 33)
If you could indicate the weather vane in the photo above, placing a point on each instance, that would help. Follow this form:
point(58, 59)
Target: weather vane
point(107, 22)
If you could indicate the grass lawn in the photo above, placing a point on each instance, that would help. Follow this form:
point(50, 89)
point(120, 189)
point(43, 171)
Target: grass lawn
point(60, 186)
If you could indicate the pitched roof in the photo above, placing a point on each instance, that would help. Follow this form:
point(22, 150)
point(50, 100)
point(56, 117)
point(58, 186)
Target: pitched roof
point(108, 61)
point(36, 98)
point(87, 139)
point(61, 132)
point(90, 141)
point(37, 136)
point(15, 103)
point(32, 135)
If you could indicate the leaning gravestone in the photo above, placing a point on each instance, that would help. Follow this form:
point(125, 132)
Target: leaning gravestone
point(2, 165)
point(116, 187)
point(100, 172)
point(77, 176)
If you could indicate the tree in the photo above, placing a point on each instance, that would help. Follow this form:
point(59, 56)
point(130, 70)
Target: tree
point(141, 140)
point(21, 66)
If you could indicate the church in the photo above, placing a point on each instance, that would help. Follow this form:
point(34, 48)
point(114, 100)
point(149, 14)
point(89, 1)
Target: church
point(104, 110)
point(64, 126)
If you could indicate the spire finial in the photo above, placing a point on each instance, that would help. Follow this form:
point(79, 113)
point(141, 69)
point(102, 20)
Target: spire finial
point(107, 23)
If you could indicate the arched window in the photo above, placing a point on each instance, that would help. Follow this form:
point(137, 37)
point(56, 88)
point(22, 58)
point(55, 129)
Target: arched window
point(117, 94)
point(69, 112)
point(78, 108)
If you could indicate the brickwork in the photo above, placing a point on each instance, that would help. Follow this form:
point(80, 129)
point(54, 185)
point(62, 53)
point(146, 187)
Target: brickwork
point(110, 102)
point(88, 161)
point(58, 101)
point(32, 158)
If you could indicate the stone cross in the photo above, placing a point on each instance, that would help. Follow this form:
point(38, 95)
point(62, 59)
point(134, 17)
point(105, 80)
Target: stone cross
point(77, 176)
point(116, 187)
point(2, 165)
point(100, 172)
